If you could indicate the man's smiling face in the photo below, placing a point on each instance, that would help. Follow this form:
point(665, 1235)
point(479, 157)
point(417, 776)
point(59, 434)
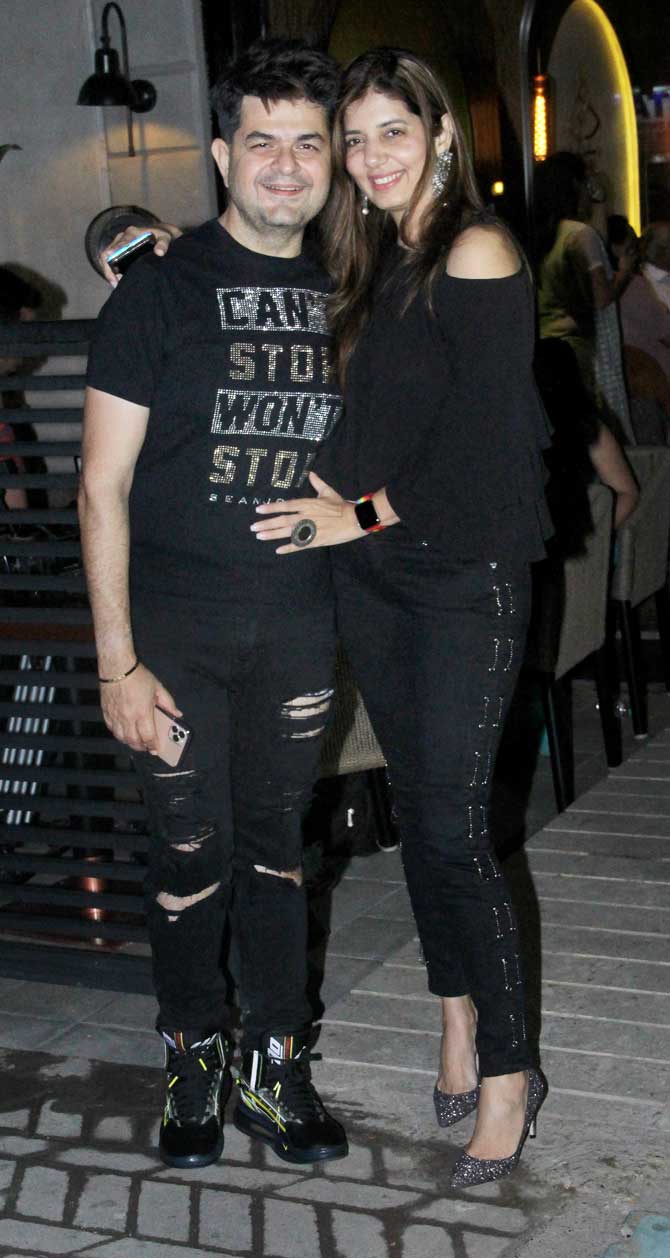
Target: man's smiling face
point(277, 173)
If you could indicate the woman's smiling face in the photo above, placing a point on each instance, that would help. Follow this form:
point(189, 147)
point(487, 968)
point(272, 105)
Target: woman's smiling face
point(385, 151)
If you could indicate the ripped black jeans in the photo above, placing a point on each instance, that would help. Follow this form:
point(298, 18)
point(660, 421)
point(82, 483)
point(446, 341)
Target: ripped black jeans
point(255, 687)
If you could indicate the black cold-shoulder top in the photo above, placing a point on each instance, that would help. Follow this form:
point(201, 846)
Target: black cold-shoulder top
point(441, 408)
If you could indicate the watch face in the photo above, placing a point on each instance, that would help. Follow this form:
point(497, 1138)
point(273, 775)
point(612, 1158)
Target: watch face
point(366, 515)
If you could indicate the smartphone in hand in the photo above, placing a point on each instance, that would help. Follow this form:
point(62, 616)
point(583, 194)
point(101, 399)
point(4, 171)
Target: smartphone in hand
point(125, 255)
point(173, 736)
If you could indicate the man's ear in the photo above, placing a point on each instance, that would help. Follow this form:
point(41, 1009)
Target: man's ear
point(221, 155)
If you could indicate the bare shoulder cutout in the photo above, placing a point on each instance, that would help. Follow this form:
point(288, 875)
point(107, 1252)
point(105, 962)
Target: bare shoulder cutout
point(483, 252)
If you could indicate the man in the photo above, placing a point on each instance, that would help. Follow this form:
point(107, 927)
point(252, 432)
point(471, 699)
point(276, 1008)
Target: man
point(209, 388)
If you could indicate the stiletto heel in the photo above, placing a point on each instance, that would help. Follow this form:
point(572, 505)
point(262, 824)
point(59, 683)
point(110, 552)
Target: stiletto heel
point(470, 1171)
point(451, 1107)
point(532, 1130)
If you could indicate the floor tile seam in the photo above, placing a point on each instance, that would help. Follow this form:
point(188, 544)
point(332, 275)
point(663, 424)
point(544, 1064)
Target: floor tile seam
point(59, 1020)
point(564, 1014)
point(608, 792)
point(639, 777)
point(648, 759)
point(603, 987)
point(601, 956)
point(384, 882)
point(149, 1032)
point(560, 873)
point(375, 960)
point(633, 1102)
point(595, 1017)
point(547, 982)
point(605, 904)
point(608, 930)
point(372, 917)
point(576, 810)
point(571, 926)
point(610, 834)
point(390, 920)
point(551, 1048)
point(561, 851)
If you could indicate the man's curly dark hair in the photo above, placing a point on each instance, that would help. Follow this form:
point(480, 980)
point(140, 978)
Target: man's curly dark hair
point(274, 70)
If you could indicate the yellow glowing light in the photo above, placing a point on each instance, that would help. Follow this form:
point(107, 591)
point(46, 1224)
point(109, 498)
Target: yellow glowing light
point(620, 71)
point(497, 188)
point(540, 118)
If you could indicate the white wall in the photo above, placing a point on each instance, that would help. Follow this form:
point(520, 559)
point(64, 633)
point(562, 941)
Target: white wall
point(74, 161)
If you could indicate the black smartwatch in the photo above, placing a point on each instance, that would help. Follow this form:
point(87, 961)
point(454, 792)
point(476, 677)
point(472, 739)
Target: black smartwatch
point(366, 515)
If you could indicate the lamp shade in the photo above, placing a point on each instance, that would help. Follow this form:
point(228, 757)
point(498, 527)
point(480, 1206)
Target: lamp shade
point(107, 86)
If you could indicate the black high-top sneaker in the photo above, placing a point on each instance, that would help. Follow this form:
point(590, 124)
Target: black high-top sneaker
point(198, 1086)
point(279, 1104)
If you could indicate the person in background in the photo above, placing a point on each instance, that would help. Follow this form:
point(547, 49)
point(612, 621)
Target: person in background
point(656, 259)
point(645, 328)
point(582, 449)
point(578, 290)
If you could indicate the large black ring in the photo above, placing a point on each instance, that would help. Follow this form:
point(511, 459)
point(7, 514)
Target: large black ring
point(303, 533)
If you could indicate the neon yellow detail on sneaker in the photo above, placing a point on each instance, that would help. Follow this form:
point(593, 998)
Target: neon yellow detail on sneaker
point(257, 1103)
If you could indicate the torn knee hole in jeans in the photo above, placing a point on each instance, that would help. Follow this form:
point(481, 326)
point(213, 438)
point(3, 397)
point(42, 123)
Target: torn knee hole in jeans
point(193, 842)
point(307, 709)
point(291, 875)
point(174, 905)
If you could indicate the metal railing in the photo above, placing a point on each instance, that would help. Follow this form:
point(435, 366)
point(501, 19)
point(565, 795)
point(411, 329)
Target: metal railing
point(72, 825)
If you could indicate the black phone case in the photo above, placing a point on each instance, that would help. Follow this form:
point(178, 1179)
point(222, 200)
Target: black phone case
point(120, 265)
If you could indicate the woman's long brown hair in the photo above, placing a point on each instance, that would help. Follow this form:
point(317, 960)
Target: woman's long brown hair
point(353, 243)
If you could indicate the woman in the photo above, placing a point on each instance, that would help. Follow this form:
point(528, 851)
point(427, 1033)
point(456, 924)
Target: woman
point(440, 446)
point(578, 290)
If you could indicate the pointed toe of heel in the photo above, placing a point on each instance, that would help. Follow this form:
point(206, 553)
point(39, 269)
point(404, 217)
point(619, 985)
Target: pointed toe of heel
point(451, 1107)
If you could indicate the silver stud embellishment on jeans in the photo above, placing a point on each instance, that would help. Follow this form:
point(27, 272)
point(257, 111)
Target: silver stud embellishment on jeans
point(477, 827)
point(486, 867)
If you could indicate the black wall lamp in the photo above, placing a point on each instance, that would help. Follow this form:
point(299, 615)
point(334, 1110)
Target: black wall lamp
point(110, 85)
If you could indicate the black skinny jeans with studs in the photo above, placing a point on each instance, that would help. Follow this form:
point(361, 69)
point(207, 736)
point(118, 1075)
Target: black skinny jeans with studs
point(435, 647)
point(255, 686)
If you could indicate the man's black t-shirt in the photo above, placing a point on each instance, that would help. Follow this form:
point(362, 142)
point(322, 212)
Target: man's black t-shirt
point(230, 351)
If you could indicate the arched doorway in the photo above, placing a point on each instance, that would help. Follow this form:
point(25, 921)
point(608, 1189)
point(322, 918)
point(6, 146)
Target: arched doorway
point(592, 98)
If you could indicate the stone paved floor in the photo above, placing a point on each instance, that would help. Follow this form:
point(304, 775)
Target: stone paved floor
point(79, 1092)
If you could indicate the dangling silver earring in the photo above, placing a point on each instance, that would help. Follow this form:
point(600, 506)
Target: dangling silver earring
point(365, 204)
point(441, 171)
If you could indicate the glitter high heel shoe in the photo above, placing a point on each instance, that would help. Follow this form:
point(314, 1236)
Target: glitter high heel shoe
point(470, 1171)
point(451, 1107)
